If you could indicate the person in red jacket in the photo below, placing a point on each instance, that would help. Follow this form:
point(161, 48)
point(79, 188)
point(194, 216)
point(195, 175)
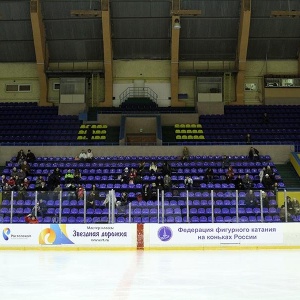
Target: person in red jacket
point(31, 219)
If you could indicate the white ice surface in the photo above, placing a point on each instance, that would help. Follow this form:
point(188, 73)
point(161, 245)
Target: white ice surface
point(157, 275)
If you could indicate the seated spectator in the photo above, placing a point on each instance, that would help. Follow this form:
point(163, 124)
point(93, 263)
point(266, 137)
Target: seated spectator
point(225, 162)
point(296, 206)
point(42, 208)
point(188, 182)
point(247, 182)
point(79, 192)
point(30, 157)
point(21, 191)
point(2, 181)
point(153, 191)
point(250, 199)
point(141, 168)
point(14, 172)
point(209, 175)
point(12, 183)
point(25, 167)
point(239, 183)
point(56, 176)
point(38, 182)
point(267, 182)
point(89, 155)
point(77, 176)
point(30, 219)
point(132, 175)
point(185, 153)
point(248, 138)
point(125, 176)
point(166, 169)
point(122, 202)
point(21, 174)
point(26, 183)
point(159, 182)
point(69, 177)
point(90, 199)
point(82, 155)
point(265, 199)
point(146, 192)
point(270, 172)
point(167, 182)
point(21, 156)
point(253, 154)
point(266, 119)
point(290, 205)
point(229, 175)
point(153, 168)
point(261, 174)
point(57, 190)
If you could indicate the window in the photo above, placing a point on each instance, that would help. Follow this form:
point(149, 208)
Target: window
point(15, 88)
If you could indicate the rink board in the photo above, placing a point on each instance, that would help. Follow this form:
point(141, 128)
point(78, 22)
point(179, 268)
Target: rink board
point(191, 236)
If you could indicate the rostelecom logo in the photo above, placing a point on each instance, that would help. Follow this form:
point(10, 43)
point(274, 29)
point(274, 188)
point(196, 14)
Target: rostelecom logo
point(6, 233)
point(47, 236)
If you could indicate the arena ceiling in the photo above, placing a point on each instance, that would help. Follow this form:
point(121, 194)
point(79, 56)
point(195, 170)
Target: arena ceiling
point(141, 29)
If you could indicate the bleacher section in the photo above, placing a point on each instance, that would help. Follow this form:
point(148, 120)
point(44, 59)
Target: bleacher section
point(105, 173)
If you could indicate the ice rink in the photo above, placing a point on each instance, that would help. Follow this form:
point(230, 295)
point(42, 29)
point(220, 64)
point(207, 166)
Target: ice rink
point(130, 275)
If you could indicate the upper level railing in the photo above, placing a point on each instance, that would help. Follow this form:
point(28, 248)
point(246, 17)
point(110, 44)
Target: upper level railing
point(138, 92)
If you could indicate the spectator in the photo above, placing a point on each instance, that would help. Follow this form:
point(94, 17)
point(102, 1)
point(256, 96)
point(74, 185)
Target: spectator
point(125, 176)
point(57, 190)
point(250, 199)
point(270, 172)
point(248, 138)
point(266, 119)
point(159, 182)
point(42, 208)
point(21, 174)
point(31, 219)
point(77, 176)
point(229, 175)
point(79, 192)
point(141, 168)
point(38, 182)
point(82, 155)
point(153, 168)
point(261, 174)
point(90, 200)
point(132, 175)
point(185, 153)
point(225, 162)
point(209, 175)
point(20, 157)
point(2, 181)
point(25, 167)
point(296, 206)
point(122, 202)
point(267, 182)
point(166, 169)
point(153, 191)
point(265, 199)
point(146, 192)
point(69, 177)
point(188, 182)
point(247, 182)
point(253, 154)
point(167, 182)
point(30, 157)
point(239, 183)
point(14, 172)
point(56, 176)
point(89, 155)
